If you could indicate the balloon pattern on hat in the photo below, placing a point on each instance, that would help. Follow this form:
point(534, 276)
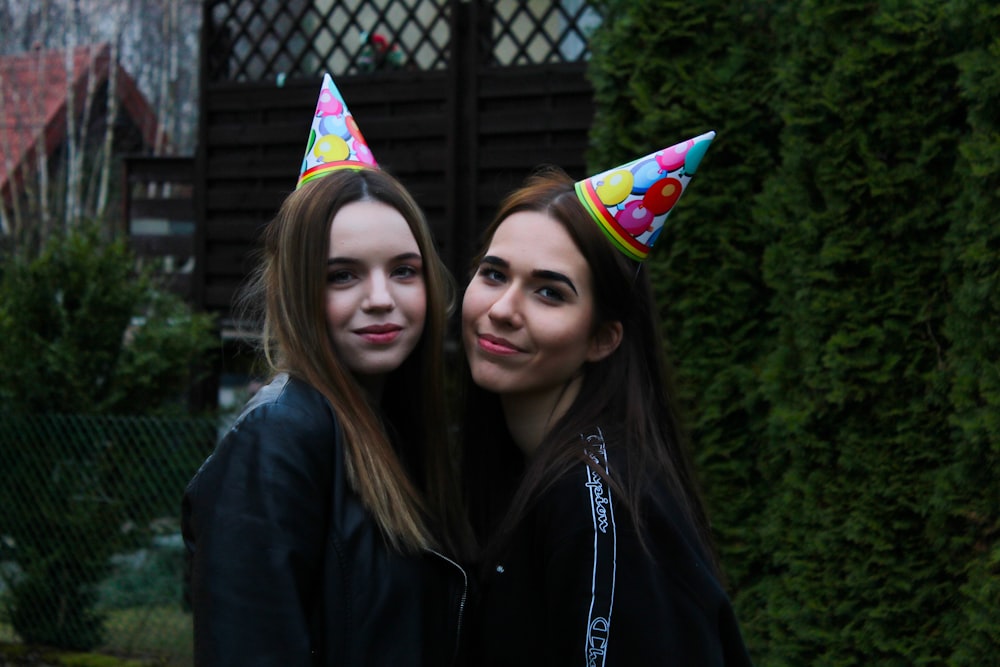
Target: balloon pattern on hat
point(335, 142)
point(631, 203)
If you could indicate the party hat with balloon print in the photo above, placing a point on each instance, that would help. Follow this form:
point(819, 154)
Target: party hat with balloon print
point(631, 202)
point(335, 142)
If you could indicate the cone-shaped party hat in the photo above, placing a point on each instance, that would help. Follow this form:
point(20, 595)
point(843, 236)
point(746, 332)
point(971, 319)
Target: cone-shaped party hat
point(630, 203)
point(335, 142)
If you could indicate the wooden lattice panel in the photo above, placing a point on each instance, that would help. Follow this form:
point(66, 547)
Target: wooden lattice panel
point(259, 40)
point(262, 40)
point(533, 32)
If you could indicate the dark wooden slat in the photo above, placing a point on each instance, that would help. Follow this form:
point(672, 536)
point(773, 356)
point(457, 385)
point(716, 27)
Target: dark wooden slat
point(253, 132)
point(523, 122)
point(230, 261)
point(159, 169)
point(531, 79)
point(155, 244)
point(499, 157)
point(244, 198)
point(219, 294)
point(358, 92)
point(235, 228)
point(170, 209)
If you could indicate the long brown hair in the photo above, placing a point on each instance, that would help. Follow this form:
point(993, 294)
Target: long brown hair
point(415, 505)
point(628, 394)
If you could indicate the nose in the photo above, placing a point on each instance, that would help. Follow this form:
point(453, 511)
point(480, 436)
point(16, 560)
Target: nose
point(379, 297)
point(506, 310)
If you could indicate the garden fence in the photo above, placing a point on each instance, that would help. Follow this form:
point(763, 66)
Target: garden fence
point(91, 555)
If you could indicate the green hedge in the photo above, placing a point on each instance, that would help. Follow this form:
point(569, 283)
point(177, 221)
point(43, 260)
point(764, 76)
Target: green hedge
point(85, 330)
point(91, 348)
point(650, 78)
point(829, 287)
point(967, 500)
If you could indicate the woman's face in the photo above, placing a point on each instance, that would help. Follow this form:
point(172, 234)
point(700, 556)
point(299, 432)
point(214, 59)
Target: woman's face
point(375, 295)
point(527, 316)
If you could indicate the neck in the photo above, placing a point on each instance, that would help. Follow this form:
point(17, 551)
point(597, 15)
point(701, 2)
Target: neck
point(372, 386)
point(530, 416)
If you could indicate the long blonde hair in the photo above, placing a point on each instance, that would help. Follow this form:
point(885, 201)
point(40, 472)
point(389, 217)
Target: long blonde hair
point(290, 286)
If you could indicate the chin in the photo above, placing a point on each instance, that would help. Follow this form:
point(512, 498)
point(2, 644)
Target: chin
point(489, 382)
point(377, 368)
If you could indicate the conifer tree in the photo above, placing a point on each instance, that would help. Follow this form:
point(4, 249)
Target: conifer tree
point(966, 505)
point(664, 72)
point(859, 408)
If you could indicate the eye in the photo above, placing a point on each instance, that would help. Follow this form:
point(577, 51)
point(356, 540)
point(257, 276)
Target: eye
point(406, 272)
point(551, 294)
point(339, 277)
point(492, 275)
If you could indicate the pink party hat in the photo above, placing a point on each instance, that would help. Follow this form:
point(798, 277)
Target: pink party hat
point(631, 202)
point(335, 142)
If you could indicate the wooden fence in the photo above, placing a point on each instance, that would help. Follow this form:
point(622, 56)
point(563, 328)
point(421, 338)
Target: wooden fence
point(458, 136)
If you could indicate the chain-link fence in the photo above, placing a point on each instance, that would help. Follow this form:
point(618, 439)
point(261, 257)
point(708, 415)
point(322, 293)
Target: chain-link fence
point(91, 555)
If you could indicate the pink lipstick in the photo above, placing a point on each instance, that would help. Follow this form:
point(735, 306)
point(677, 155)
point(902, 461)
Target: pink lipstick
point(379, 334)
point(496, 345)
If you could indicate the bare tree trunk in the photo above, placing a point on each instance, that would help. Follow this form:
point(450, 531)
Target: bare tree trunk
point(42, 159)
point(71, 143)
point(173, 38)
point(75, 186)
point(165, 104)
point(11, 227)
point(109, 132)
point(77, 129)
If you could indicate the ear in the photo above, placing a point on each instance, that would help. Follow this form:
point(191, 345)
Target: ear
point(605, 341)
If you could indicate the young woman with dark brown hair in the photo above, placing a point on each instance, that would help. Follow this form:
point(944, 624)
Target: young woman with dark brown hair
point(322, 529)
point(597, 546)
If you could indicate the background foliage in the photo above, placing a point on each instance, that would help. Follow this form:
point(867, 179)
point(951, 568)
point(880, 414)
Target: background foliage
point(84, 332)
point(829, 290)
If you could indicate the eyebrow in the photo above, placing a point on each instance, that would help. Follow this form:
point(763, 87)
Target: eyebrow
point(406, 256)
point(537, 273)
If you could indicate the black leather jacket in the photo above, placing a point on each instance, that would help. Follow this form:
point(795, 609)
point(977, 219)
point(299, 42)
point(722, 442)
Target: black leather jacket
point(286, 565)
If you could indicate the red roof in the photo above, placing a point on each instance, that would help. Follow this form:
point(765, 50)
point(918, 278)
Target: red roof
point(34, 98)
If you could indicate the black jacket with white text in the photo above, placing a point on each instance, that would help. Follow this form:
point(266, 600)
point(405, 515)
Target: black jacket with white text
point(574, 586)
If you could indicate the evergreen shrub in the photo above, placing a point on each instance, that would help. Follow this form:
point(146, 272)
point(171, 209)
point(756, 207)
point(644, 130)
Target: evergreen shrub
point(83, 332)
point(664, 72)
point(830, 295)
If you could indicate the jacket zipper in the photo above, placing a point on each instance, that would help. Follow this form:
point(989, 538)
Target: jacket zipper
point(461, 601)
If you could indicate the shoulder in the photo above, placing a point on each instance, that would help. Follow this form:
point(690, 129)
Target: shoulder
point(285, 396)
point(287, 428)
point(597, 462)
point(287, 407)
point(580, 501)
point(584, 504)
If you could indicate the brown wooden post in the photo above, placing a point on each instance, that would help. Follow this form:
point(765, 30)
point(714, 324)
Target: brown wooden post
point(204, 394)
point(466, 57)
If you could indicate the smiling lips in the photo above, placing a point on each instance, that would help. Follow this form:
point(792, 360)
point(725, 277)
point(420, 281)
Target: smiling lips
point(496, 345)
point(379, 334)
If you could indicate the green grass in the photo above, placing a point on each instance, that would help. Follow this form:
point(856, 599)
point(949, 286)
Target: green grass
point(161, 633)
